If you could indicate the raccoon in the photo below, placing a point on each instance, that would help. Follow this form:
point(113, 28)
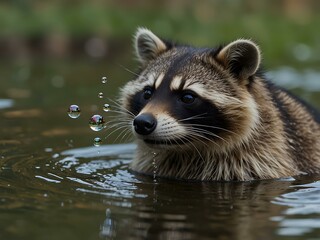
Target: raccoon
point(210, 114)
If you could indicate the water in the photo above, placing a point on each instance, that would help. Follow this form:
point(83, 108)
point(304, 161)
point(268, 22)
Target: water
point(55, 185)
point(104, 80)
point(154, 165)
point(106, 107)
point(97, 141)
point(74, 111)
point(96, 122)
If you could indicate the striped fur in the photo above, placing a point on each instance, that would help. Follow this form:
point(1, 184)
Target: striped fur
point(238, 125)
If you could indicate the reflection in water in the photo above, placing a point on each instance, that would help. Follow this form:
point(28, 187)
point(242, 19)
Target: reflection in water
point(93, 185)
point(140, 208)
point(108, 228)
point(303, 214)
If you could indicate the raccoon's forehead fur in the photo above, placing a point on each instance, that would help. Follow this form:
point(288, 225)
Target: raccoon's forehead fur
point(187, 68)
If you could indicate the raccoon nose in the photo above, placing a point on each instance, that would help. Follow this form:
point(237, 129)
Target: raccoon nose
point(144, 124)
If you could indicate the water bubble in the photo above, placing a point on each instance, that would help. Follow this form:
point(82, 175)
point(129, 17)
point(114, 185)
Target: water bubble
point(100, 95)
point(96, 122)
point(104, 80)
point(97, 141)
point(106, 107)
point(74, 111)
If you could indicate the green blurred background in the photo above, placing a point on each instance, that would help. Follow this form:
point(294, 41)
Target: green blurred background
point(102, 29)
point(54, 53)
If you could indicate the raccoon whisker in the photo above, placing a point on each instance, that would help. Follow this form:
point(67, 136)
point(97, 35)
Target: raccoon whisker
point(117, 120)
point(182, 137)
point(176, 141)
point(206, 126)
point(122, 112)
point(125, 135)
point(118, 108)
point(169, 141)
point(122, 132)
point(121, 108)
point(118, 127)
point(186, 139)
point(199, 131)
point(197, 150)
point(197, 135)
point(125, 122)
point(117, 111)
point(114, 124)
point(115, 102)
point(196, 139)
point(193, 117)
point(130, 71)
point(213, 127)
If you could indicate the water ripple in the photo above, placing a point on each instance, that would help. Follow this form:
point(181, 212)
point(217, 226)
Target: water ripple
point(303, 208)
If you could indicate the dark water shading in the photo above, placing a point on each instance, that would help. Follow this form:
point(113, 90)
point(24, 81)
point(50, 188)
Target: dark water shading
point(88, 193)
point(55, 185)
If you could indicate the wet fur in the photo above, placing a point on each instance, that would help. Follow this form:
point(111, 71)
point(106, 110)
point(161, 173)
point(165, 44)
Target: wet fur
point(248, 129)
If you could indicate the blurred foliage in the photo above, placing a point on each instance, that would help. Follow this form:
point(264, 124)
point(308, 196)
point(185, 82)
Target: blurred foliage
point(277, 25)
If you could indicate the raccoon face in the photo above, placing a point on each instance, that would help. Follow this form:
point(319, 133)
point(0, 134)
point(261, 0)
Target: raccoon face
point(189, 96)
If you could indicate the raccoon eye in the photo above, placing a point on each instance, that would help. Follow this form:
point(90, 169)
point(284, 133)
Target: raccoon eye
point(147, 93)
point(188, 98)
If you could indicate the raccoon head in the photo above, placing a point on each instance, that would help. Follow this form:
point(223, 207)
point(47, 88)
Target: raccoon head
point(186, 95)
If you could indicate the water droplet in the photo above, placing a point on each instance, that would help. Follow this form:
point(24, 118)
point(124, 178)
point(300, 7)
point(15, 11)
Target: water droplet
point(154, 164)
point(100, 95)
point(74, 111)
point(97, 141)
point(96, 122)
point(104, 80)
point(106, 107)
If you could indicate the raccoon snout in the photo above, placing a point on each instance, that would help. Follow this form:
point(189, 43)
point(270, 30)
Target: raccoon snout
point(144, 124)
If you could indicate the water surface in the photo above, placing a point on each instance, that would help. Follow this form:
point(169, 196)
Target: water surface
point(54, 184)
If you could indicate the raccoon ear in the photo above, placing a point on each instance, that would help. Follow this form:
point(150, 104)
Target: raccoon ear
point(147, 45)
point(241, 57)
